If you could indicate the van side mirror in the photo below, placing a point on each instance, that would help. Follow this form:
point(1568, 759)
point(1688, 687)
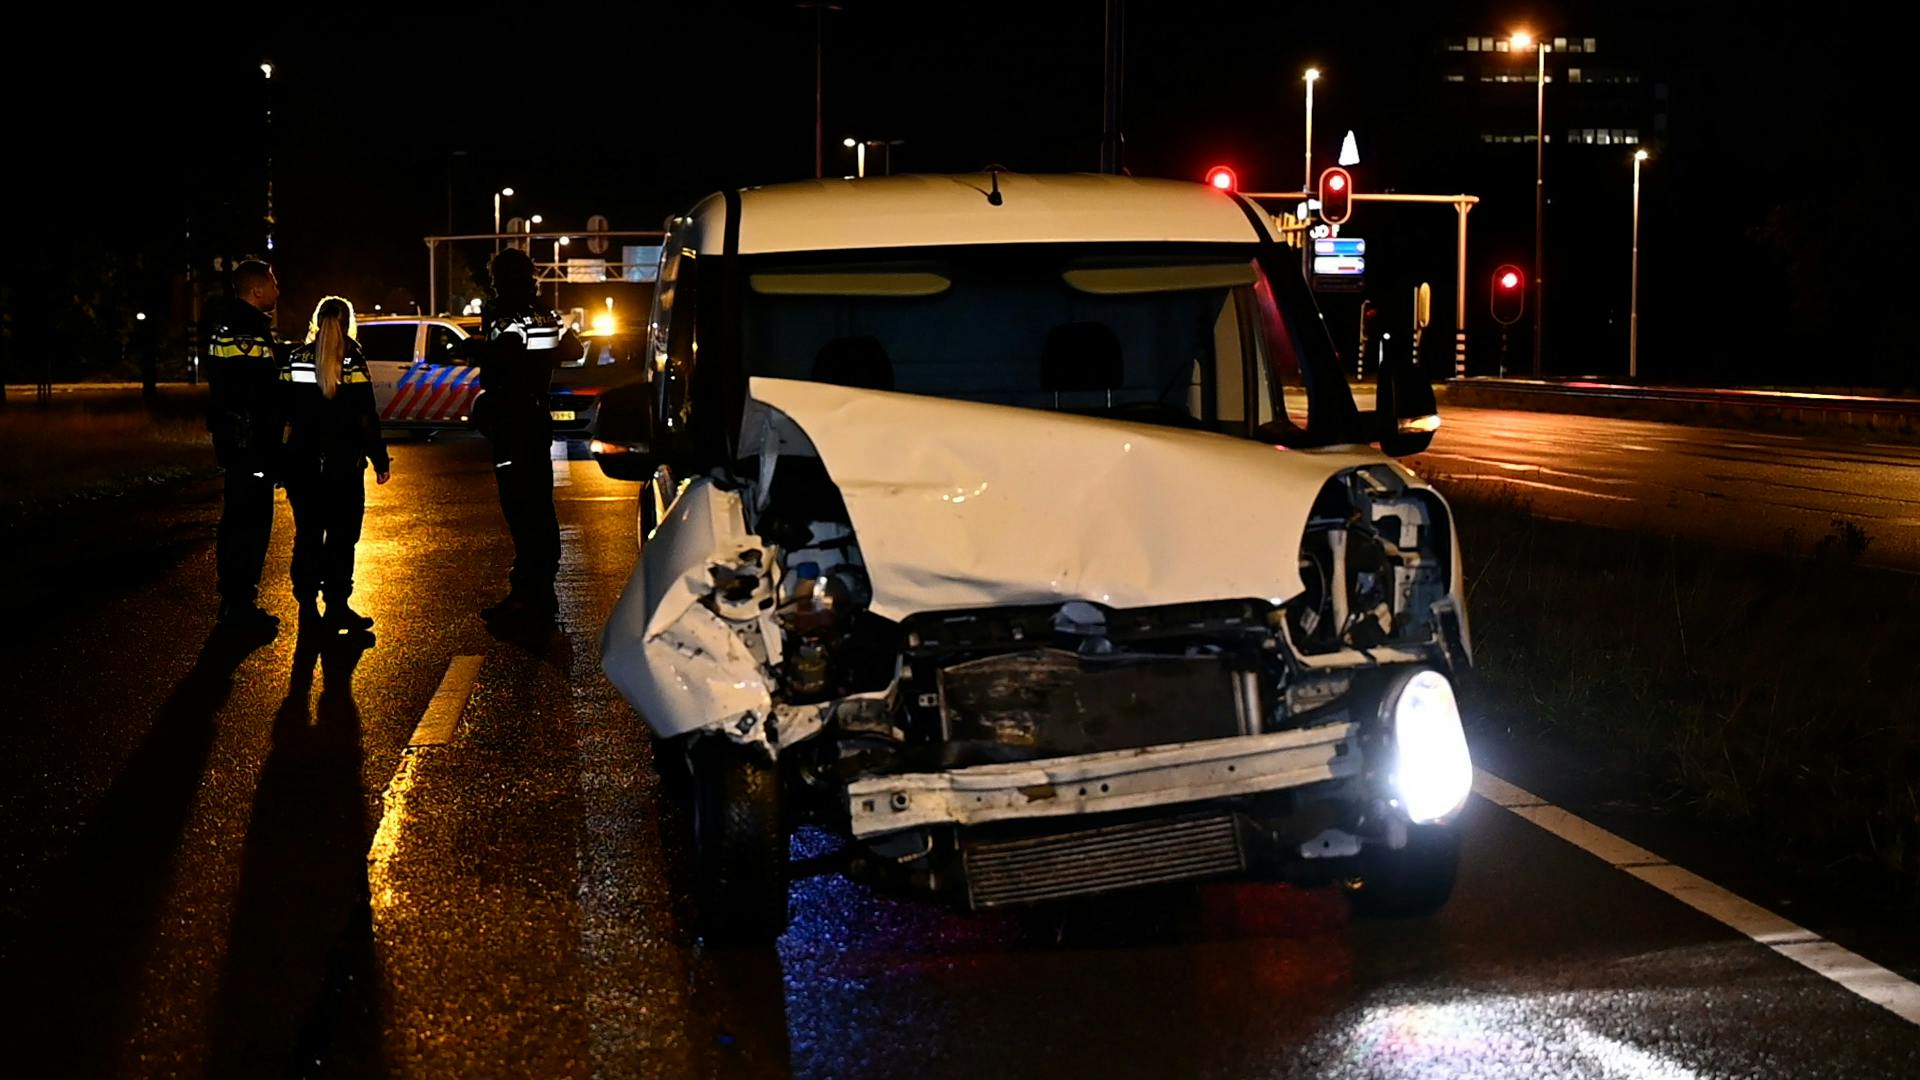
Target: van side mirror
point(622, 431)
point(1406, 411)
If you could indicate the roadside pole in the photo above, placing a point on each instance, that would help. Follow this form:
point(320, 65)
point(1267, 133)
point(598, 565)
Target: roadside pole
point(1461, 204)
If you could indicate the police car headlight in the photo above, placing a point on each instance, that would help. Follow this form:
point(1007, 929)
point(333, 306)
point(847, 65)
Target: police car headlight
point(1432, 771)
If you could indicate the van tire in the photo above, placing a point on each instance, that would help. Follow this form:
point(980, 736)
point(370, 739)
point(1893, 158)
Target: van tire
point(740, 846)
point(1412, 882)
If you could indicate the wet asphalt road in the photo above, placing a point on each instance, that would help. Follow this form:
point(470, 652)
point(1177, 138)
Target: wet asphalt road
point(1757, 490)
point(216, 860)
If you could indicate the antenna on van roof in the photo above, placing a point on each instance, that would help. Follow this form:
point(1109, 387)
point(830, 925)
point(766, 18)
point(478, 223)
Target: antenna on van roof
point(994, 198)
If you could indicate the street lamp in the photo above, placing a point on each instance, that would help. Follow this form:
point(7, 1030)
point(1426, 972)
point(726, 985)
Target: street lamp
point(1633, 301)
point(505, 192)
point(859, 148)
point(1521, 41)
point(1312, 76)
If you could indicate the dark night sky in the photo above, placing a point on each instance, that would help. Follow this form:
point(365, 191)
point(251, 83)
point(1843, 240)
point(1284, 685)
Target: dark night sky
point(637, 111)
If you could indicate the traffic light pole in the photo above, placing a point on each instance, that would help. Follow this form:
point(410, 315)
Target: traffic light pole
point(1462, 204)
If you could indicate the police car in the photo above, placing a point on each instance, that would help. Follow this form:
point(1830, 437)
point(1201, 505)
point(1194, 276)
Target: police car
point(417, 383)
point(611, 358)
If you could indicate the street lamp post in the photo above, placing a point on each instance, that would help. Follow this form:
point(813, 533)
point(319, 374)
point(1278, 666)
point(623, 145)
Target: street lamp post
point(558, 273)
point(1521, 40)
point(266, 72)
point(859, 148)
point(503, 192)
point(819, 10)
point(1312, 76)
point(1633, 294)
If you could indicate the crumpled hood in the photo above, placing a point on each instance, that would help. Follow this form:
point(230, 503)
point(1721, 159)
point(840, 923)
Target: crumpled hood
point(959, 505)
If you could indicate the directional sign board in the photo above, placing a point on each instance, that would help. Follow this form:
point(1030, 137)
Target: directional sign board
point(1339, 263)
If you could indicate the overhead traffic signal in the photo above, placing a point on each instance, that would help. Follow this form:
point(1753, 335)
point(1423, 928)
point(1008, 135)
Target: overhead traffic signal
point(1336, 195)
point(1509, 294)
point(1221, 178)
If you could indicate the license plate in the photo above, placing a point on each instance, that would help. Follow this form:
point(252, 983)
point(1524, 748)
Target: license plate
point(563, 414)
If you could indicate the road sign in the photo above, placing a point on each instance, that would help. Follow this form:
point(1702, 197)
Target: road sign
point(1338, 265)
point(596, 225)
point(1344, 246)
point(1422, 306)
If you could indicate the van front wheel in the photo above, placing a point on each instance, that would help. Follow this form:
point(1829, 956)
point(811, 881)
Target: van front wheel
point(740, 846)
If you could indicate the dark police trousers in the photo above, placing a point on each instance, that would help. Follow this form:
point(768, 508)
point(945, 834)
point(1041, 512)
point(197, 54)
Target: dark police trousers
point(246, 522)
point(523, 465)
point(328, 504)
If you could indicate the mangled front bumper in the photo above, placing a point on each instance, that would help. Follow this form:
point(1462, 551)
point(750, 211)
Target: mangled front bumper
point(1110, 780)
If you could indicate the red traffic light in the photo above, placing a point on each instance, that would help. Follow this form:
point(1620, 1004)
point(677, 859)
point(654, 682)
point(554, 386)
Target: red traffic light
point(1221, 178)
point(1336, 195)
point(1509, 294)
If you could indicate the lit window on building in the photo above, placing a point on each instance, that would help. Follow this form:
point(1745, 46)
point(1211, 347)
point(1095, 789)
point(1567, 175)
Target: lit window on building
point(1473, 44)
point(1560, 44)
point(1573, 75)
point(1633, 136)
point(1591, 47)
point(1486, 44)
point(1456, 78)
point(1574, 45)
point(1454, 46)
point(1501, 46)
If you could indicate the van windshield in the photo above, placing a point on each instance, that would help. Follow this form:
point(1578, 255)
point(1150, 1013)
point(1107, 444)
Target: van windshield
point(1187, 335)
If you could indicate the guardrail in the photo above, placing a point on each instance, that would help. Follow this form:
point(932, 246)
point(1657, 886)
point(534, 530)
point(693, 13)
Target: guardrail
point(1700, 405)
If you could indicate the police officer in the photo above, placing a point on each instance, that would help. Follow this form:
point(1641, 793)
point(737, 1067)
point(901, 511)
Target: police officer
point(242, 415)
point(523, 343)
point(335, 431)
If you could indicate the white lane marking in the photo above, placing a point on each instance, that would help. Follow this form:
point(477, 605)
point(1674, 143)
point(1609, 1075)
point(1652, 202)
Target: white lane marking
point(443, 712)
point(1517, 482)
point(1849, 969)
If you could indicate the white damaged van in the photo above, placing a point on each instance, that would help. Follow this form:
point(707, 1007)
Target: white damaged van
point(1026, 534)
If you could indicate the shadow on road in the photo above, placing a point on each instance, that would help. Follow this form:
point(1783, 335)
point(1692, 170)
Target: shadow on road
point(298, 991)
point(542, 639)
point(84, 947)
point(738, 1014)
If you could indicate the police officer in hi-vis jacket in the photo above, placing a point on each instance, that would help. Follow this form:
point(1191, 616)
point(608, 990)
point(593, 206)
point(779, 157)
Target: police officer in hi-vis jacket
point(521, 345)
point(334, 431)
point(243, 416)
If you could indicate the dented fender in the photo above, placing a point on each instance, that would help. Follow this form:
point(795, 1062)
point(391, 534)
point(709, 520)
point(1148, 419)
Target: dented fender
point(682, 666)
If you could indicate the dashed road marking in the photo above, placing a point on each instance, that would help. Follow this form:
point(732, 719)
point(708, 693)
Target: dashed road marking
point(1849, 969)
point(443, 712)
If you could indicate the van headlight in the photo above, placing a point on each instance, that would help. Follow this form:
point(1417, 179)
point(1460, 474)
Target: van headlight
point(1432, 771)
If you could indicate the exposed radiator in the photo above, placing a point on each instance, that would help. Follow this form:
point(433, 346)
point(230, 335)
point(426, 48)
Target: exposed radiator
point(1028, 870)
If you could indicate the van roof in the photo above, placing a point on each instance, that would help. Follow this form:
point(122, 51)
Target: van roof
point(927, 211)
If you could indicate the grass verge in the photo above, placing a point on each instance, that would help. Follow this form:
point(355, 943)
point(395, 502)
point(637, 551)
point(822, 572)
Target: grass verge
point(1767, 692)
point(56, 456)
